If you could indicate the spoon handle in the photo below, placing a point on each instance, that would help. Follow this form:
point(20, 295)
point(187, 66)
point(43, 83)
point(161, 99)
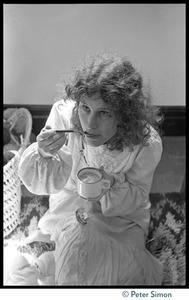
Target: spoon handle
point(66, 130)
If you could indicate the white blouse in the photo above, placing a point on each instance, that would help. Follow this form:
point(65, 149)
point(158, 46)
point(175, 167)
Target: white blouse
point(126, 202)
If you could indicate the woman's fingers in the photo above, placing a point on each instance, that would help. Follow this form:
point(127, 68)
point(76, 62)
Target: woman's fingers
point(52, 145)
point(45, 134)
point(49, 137)
point(97, 198)
point(107, 176)
point(49, 142)
point(46, 127)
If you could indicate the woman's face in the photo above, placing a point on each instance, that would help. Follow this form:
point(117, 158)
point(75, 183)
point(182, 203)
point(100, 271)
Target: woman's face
point(97, 120)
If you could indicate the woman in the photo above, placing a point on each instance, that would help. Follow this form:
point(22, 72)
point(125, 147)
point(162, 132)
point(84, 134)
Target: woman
point(117, 131)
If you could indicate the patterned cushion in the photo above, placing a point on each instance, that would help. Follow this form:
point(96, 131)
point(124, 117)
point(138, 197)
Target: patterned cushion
point(166, 239)
point(167, 228)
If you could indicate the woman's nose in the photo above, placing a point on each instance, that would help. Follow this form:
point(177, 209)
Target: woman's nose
point(92, 122)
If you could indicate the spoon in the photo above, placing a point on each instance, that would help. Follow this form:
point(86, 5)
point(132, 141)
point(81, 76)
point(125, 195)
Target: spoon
point(70, 130)
point(66, 130)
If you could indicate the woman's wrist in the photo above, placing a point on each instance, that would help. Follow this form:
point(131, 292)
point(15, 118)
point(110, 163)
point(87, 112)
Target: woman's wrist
point(44, 155)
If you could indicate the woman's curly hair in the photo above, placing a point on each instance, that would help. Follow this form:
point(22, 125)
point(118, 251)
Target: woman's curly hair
point(120, 86)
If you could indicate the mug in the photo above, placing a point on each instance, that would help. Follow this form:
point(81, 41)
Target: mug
point(90, 182)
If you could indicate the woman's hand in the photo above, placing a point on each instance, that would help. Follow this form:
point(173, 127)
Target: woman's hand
point(104, 191)
point(49, 141)
point(107, 176)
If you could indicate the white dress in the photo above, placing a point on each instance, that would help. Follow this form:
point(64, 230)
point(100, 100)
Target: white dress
point(110, 248)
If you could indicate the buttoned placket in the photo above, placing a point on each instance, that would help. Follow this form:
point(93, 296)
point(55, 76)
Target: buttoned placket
point(82, 151)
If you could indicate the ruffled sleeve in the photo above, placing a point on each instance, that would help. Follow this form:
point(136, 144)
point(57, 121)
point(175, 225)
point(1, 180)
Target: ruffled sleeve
point(44, 176)
point(130, 191)
point(48, 175)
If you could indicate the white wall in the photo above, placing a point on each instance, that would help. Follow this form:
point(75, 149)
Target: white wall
point(41, 41)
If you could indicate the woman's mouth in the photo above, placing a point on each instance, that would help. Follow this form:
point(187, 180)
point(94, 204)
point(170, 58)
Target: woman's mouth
point(91, 135)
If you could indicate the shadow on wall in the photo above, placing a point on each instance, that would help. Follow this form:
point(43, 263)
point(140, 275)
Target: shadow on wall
point(170, 172)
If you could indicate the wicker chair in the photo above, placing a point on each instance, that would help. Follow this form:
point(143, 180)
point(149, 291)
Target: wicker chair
point(11, 181)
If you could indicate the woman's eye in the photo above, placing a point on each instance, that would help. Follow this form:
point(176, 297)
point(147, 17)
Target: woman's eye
point(85, 108)
point(105, 114)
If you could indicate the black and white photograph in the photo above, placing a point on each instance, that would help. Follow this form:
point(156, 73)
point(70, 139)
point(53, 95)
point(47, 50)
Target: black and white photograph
point(94, 161)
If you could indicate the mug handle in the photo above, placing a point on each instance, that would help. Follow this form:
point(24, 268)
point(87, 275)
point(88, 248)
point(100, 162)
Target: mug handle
point(106, 184)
